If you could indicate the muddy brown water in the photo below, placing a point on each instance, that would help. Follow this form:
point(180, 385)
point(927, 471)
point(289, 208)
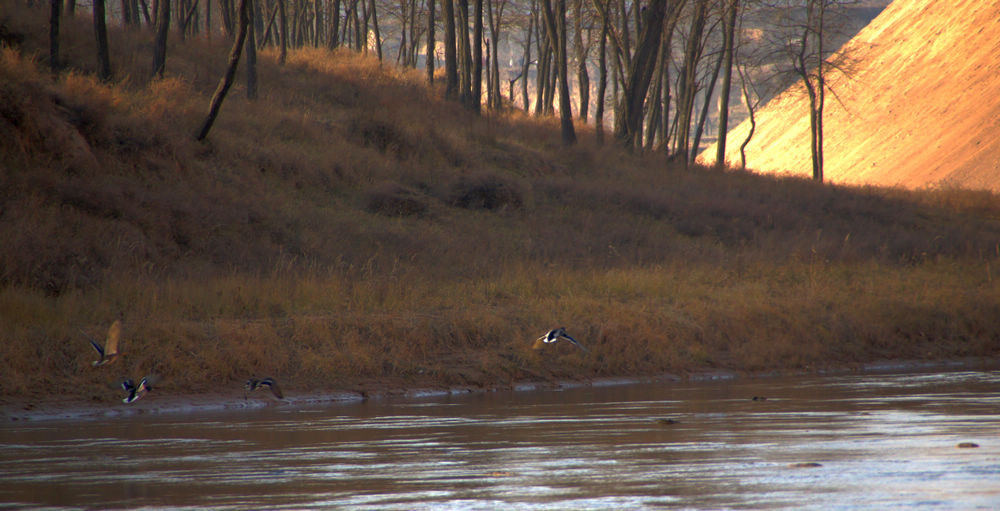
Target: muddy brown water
point(873, 441)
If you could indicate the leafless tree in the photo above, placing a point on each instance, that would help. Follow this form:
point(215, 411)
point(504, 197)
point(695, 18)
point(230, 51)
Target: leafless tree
point(640, 72)
point(731, 13)
point(55, 13)
point(251, 49)
point(227, 79)
point(431, 43)
point(602, 71)
point(805, 34)
point(555, 22)
point(160, 42)
point(101, 33)
point(450, 49)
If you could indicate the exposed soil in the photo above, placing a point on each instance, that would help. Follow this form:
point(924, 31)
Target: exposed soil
point(51, 408)
point(918, 107)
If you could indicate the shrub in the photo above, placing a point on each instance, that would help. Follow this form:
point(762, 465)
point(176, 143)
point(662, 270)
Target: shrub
point(393, 199)
point(486, 191)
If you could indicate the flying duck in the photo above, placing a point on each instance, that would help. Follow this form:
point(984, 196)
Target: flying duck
point(135, 392)
point(109, 353)
point(553, 336)
point(255, 384)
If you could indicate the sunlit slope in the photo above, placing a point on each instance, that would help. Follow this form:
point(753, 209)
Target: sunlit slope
point(920, 108)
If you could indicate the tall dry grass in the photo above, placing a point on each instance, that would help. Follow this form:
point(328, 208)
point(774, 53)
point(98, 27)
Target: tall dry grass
point(350, 227)
point(334, 332)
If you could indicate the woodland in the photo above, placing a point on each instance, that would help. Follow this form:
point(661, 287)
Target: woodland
point(250, 202)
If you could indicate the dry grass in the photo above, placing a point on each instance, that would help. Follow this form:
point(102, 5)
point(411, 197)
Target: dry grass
point(351, 227)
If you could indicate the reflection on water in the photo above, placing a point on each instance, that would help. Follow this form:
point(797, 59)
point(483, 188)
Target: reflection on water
point(882, 442)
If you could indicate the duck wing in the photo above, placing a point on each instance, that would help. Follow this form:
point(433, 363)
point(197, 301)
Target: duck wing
point(114, 333)
point(275, 389)
point(566, 336)
point(93, 342)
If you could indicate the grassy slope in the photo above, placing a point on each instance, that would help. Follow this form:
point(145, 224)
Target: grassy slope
point(351, 227)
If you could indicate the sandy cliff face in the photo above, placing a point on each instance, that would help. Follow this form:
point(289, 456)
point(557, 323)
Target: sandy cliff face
point(920, 109)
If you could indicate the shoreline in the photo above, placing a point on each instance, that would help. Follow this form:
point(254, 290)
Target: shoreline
point(18, 410)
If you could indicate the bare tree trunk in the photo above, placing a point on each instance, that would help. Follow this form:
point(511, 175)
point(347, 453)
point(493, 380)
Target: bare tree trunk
point(257, 21)
point(227, 78)
point(665, 61)
point(602, 80)
point(476, 91)
point(641, 72)
point(555, 21)
point(450, 57)
point(751, 102)
point(543, 89)
point(403, 56)
point(729, 45)
point(187, 18)
point(378, 36)
point(283, 32)
point(821, 85)
point(226, 6)
point(496, 96)
point(296, 26)
point(464, 53)
point(552, 84)
point(526, 64)
point(359, 39)
point(101, 32)
point(126, 13)
point(700, 126)
point(145, 13)
point(685, 105)
point(334, 38)
point(653, 100)
point(542, 74)
point(582, 77)
point(416, 33)
point(431, 43)
point(181, 9)
point(317, 23)
point(565, 100)
point(160, 44)
point(408, 11)
point(814, 81)
point(495, 71)
point(267, 28)
point(251, 46)
point(55, 13)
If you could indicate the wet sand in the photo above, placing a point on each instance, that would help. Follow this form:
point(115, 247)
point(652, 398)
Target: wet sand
point(157, 402)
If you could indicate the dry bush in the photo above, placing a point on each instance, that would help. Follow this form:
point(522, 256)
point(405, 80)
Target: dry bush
point(393, 199)
point(486, 191)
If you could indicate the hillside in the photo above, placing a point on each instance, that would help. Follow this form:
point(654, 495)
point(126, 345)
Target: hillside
point(917, 110)
point(351, 229)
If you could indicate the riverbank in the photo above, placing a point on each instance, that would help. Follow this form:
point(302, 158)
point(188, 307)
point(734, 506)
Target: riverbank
point(353, 227)
point(158, 404)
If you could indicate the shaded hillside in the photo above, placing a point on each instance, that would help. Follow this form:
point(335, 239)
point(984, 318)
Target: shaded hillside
point(918, 109)
point(352, 228)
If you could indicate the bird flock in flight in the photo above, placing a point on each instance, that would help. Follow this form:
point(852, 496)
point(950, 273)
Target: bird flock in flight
point(108, 353)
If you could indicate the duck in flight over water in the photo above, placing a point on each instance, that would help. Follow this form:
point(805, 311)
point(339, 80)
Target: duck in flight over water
point(108, 353)
point(135, 392)
point(255, 384)
point(554, 336)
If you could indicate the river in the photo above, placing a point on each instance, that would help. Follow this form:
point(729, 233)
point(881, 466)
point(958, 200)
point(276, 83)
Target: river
point(862, 441)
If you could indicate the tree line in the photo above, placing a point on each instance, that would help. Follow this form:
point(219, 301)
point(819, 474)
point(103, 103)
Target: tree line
point(658, 64)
